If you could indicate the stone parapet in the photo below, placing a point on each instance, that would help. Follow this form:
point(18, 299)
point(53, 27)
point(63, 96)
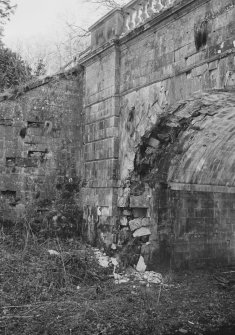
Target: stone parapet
point(120, 21)
point(138, 12)
point(145, 57)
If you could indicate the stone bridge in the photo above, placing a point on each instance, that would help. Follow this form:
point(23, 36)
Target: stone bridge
point(151, 131)
point(157, 160)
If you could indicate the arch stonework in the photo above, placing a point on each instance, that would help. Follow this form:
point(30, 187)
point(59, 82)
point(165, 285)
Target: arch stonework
point(135, 76)
point(146, 122)
point(186, 161)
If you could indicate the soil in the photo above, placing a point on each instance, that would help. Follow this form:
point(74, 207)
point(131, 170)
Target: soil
point(70, 294)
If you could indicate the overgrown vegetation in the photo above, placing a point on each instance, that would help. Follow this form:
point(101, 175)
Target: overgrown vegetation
point(57, 287)
point(61, 217)
point(51, 283)
point(45, 218)
point(13, 70)
point(6, 9)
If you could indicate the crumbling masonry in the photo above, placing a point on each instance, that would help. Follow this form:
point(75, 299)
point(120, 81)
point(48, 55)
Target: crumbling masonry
point(147, 122)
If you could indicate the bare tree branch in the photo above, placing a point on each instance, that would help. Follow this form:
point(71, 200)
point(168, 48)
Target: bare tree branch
point(110, 4)
point(6, 9)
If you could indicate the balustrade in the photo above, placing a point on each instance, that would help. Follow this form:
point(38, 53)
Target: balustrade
point(138, 12)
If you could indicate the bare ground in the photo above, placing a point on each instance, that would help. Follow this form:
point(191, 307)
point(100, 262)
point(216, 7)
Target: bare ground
point(71, 294)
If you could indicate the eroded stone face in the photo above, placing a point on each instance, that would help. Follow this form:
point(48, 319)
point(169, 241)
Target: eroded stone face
point(134, 81)
point(40, 140)
point(138, 223)
point(136, 121)
point(152, 158)
point(194, 159)
point(143, 231)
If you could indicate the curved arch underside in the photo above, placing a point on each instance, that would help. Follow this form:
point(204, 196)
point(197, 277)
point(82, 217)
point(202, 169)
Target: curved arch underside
point(208, 145)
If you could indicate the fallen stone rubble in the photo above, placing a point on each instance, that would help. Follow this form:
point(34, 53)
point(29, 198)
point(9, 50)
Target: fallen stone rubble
point(138, 274)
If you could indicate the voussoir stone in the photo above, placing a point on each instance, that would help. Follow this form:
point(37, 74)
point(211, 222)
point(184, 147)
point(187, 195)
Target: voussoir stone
point(143, 231)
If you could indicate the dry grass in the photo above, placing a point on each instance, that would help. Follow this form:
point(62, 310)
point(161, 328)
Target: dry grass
point(39, 295)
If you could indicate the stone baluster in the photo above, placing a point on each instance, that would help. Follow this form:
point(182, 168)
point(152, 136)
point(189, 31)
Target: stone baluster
point(138, 9)
point(167, 3)
point(131, 12)
point(171, 2)
point(157, 5)
point(150, 8)
point(144, 15)
point(126, 28)
point(141, 11)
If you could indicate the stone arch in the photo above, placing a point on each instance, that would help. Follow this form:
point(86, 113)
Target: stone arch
point(188, 160)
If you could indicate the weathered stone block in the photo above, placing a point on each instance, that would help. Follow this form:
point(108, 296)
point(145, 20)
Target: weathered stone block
point(213, 65)
point(123, 197)
point(230, 79)
point(139, 212)
point(138, 223)
point(127, 212)
point(123, 221)
point(104, 211)
point(143, 231)
point(145, 222)
point(141, 201)
point(153, 142)
point(135, 224)
point(107, 28)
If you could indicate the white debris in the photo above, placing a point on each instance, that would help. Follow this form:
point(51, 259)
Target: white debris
point(143, 231)
point(53, 252)
point(144, 278)
point(122, 280)
point(113, 246)
point(114, 261)
point(153, 277)
point(117, 276)
point(103, 259)
point(78, 287)
point(139, 274)
point(119, 279)
point(141, 266)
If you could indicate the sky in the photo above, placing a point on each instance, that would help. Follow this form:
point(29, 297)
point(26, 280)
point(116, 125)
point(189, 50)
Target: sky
point(44, 17)
point(39, 28)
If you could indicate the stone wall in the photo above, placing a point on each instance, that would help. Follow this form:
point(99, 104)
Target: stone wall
point(40, 139)
point(164, 64)
point(135, 75)
point(101, 138)
point(182, 184)
point(156, 160)
point(203, 223)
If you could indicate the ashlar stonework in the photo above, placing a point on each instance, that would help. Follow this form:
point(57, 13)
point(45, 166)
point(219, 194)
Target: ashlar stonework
point(147, 123)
